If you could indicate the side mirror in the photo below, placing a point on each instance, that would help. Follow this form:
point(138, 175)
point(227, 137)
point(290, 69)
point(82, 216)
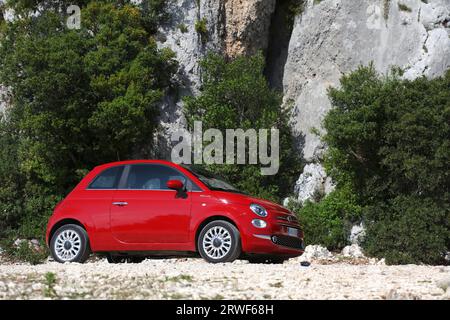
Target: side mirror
point(175, 184)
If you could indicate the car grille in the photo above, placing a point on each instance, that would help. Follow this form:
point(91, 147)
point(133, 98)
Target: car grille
point(289, 242)
point(291, 219)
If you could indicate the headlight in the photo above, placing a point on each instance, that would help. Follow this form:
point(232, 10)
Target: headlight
point(258, 210)
point(258, 223)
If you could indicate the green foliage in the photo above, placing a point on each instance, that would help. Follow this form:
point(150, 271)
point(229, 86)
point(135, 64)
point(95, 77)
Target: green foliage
point(183, 28)
point(390, 135)
point(80, 98)
point(24, 251)
point(235, 94)
point(50, 281)
point(10, 179)
point(329, 221)
point(294, 9)
point(386, 8)
point(389, 138)
point(202, 29)
point(408, 229)
point(404, 7)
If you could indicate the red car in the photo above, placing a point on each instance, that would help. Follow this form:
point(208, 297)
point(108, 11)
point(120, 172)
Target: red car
point(132, 209)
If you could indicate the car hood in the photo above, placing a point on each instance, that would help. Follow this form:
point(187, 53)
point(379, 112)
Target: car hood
point(242, 199)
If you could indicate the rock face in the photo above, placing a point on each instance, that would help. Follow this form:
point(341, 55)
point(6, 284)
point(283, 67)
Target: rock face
point(328, 39)
point(313, 183)
point(233, 27)
point(247, 25)
point(336, 36)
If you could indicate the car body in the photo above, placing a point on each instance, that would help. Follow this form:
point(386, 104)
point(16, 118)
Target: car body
point(140, 207)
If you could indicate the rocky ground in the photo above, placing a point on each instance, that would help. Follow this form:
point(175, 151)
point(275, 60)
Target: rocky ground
point(191, 278)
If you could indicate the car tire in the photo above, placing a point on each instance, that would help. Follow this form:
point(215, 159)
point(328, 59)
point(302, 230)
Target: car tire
point(70, 243)
point(226, 248)
point(123, 259)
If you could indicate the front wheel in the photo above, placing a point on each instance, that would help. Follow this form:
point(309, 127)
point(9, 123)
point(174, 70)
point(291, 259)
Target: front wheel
point(70, 243)
point(219, 241)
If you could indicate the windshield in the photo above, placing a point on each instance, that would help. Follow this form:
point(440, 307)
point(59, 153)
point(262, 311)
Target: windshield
point(211, 180)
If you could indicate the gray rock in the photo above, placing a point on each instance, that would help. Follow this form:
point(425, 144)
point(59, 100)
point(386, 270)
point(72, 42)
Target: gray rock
point(247, 26)
point(3, 99)
point(286, 202)
point(313, 183)
point(357, 233)
point(315, 252)
point(353, 251)
point(32, 244)
point(335, 36)
point(233, 28)
point(18, 242)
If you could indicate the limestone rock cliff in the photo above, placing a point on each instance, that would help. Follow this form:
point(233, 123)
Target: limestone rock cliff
point(329, 38)
point(335, 36)
point(233, 27)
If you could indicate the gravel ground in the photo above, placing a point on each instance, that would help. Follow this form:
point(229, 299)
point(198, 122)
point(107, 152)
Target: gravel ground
point(191, 278)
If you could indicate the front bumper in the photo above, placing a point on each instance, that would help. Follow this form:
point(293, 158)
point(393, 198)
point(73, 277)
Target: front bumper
point(276, 244)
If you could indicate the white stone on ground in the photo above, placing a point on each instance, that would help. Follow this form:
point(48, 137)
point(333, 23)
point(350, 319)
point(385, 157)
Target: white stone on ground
point(353, 251)
point(196, 279)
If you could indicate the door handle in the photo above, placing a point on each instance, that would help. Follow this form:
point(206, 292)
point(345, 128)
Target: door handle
point(120, 204)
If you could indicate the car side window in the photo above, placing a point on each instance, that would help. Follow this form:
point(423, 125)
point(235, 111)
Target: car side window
point(152, 177)
point(108, 179)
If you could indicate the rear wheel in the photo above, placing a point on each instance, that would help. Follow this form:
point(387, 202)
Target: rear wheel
point(219, 241)
point(70, 243)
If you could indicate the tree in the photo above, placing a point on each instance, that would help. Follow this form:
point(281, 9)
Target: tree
point(80, 97)
point(389, 138)
point(234, 95)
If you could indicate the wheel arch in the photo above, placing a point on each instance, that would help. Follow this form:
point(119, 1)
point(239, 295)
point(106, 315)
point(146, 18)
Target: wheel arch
point(61, 223)
point(211, 219)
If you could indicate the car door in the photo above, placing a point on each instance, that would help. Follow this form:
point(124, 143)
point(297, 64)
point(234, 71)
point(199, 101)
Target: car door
point(144, 210)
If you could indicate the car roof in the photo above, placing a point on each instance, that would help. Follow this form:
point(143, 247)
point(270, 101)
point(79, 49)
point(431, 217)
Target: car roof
point(127, 162)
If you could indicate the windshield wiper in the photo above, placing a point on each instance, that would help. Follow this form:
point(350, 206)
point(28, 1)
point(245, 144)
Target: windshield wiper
point(227, 190)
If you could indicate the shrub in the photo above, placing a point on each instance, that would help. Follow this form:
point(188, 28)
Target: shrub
point(389, 139)
point(404, 7)
point(202, 29)
point(79, 98)
point(24, 251)
point(329, 221)
point(408, 229)
point(183, 28)
point(234, 95)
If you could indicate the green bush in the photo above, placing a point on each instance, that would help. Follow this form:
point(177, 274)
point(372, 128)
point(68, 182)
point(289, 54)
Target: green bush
point(329, 221)
point(389, 136)
point(202, 29)
point(79, 98)
point(408, 229)
point(24, 251)
point(389, 139)
point(235, 94)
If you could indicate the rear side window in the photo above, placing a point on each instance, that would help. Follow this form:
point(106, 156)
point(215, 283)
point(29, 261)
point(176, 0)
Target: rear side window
point(108, 179)
point(152, 177)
